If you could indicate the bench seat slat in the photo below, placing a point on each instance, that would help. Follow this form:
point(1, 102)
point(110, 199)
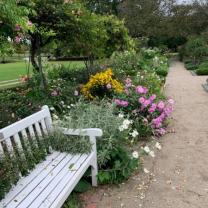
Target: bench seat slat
point(55, 179)
point(67, 172)
point(39, 181)
point(23, 182)
point(59, 194)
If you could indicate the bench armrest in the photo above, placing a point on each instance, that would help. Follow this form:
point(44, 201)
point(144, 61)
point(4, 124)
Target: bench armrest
point(91, 132)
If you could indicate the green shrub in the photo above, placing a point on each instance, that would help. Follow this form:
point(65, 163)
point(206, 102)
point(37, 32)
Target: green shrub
point(162, 72)
point(191, 66)
point(196, 48)
point(125, 63)
point(112, 150)
point(203, 69)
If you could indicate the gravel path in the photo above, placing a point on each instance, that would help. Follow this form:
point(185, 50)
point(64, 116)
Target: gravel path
point(178, 175)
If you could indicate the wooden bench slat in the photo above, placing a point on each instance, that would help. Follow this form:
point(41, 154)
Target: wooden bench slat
point(24, 123)
point(75, 164)
point(67, 185)
point(18, 142)
point(30, 191)
point(38, 130)
point(23, 183)
point(44, 126)
point(72, 177)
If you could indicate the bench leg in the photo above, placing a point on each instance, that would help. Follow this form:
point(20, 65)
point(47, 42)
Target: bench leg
point(94, 172)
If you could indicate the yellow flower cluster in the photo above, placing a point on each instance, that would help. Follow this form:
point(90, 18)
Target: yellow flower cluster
point(101, 79)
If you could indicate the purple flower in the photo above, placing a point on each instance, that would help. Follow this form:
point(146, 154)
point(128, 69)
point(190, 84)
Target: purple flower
point(54, 93)
point(161, 105)
point(108, 86)
point(141, 100)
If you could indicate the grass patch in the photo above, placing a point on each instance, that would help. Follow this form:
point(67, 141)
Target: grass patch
point(10, 71)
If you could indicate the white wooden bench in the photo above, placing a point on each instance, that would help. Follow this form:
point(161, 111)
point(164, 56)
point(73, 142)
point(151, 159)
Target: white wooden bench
point(52, 181)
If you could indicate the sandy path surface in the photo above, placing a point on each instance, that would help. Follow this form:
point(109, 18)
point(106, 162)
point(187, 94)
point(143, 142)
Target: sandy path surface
point(178, 175)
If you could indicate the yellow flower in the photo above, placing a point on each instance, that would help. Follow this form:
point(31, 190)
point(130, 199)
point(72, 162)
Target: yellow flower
point(101, 80)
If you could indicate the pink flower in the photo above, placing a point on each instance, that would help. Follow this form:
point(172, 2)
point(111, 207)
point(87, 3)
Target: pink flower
point(146, 103)
point(108, 86)
point(121, 103)
point(126, 91)
point(141, 100)
point(124, 103)
point(167, 111)
point(161, 131)
point(139, 89)
point(76, 93)
point(17, 27)
point(145, 90)
point(157, 122)
point(152, 108)
point(171, 101)
point(18, 39)
point(128, 82)
point(29, 23)
point(54, 93)
point(152, 97)
point(161, 105)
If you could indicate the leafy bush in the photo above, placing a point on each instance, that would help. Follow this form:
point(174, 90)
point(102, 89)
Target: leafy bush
point(150, 80)
point(196, 48)
point(191, 66)
point(147, 114)
point(112, 150)
point(203, 69)
point(71, 74)
point(125, 63)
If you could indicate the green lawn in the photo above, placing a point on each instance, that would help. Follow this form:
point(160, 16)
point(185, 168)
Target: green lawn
point(15, 70)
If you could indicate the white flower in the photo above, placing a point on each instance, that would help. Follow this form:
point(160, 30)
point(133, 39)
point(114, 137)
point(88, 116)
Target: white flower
point(146, 171)
point(152, 154)
point(126, 122)
point(52, 108)
point(120, 115)
point(146, 149)
point(158, 146)
point(68, 107)
point(62, 102)
point(121, 128)
point(134, 133)
point(55, 117)
point(135, 155)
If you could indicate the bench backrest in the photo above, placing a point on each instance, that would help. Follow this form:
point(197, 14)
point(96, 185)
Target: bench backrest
point(32, 127)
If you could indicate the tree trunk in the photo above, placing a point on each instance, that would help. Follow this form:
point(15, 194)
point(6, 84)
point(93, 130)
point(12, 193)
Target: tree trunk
point(33, 52)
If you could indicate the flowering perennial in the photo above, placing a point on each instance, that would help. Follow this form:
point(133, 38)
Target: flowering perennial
point(101, 84)
point(145, 109)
